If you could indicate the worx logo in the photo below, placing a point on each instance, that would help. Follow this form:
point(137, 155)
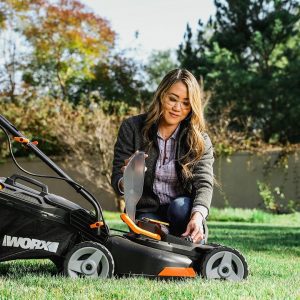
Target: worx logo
point(27, 243)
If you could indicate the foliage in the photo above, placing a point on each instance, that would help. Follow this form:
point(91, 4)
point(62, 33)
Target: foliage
point(37, 120)
point(115, 108)
point(12, 55)
point(63, 40)
point(117, 80)
point(249, 57)
point(274, 199)
point(84, 136)
point(158, 65)
point(2, 17)
point(67, 44)
point(88, 140)
point(228, 141)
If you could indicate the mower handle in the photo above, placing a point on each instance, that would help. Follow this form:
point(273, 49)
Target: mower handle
point(12, 179)
point(16, 133)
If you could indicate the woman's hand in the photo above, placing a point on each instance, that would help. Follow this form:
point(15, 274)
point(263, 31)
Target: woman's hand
point(195, 227)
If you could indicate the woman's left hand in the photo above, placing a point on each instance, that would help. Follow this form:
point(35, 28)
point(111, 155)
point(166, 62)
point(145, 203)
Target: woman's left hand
point(194, 228)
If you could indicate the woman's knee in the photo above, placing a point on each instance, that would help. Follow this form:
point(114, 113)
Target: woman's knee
point(180, 210)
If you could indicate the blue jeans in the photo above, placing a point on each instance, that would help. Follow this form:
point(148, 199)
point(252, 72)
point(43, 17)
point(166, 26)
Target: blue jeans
point(177, 213)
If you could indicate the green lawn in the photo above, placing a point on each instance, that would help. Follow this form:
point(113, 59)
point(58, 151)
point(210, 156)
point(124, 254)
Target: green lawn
point(272, 252)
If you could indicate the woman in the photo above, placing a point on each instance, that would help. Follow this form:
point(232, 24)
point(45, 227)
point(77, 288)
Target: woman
point(178, 182)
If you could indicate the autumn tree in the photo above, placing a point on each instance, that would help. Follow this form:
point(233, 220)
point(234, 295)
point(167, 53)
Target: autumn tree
point(67, 40)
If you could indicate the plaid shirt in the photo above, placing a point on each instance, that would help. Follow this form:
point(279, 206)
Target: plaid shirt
point(130, 139)
point(165, 184)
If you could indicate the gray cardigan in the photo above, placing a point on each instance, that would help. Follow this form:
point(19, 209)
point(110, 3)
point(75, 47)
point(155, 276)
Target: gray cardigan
point(199, 188)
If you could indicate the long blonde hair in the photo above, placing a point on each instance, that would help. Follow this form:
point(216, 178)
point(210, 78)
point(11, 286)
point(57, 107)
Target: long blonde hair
point(197, 125)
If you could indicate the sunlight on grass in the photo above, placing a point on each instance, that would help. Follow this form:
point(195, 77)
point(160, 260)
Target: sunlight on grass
point(272, 252)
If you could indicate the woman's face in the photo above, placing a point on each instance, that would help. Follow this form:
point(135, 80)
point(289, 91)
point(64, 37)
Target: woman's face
point(176, 104)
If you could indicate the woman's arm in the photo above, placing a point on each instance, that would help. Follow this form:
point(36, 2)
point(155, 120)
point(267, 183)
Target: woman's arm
point(203, 177)
point(124, 148)
point(203, 186)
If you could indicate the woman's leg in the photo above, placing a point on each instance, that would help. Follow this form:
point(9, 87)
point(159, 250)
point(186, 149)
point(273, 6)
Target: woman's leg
point(179, 214)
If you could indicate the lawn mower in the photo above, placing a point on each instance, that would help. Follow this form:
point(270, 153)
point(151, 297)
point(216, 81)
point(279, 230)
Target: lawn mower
point(36, 224)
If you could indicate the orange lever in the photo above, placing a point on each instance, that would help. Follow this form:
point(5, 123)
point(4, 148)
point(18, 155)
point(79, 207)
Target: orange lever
point(137, 229)
point(24, 140)
point(21, 140)
point(96, 225)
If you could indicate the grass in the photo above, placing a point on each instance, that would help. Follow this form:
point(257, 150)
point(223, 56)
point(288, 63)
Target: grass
point(238, 215)
point(272, 252)
point(253, 216)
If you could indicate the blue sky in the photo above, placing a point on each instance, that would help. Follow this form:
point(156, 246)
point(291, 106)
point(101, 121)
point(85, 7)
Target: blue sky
point(161, 23)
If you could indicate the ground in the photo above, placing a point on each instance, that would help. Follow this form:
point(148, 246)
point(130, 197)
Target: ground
point(272, 252)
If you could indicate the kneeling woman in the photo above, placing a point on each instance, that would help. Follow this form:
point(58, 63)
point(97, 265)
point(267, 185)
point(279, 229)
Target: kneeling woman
point(178, 182)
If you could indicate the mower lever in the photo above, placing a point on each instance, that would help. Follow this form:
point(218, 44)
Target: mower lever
point(125, 218)
point(96, 225)
point(23, 140)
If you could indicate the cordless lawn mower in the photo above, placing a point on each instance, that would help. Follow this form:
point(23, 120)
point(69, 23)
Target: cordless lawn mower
point(36, 224)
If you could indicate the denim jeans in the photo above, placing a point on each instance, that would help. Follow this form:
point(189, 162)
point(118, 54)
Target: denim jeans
point(177, 214)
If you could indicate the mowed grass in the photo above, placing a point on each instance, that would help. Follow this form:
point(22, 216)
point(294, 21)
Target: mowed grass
point(272, 252)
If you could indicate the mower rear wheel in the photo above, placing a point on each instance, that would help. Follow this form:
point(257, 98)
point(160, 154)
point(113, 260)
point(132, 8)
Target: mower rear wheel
point(90, 260)
point(224, 263)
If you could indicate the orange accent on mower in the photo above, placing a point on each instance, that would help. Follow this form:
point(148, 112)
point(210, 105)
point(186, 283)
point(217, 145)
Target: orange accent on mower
point(137, 229)
point(177, 272)
point(23, 140)
point(96, 225)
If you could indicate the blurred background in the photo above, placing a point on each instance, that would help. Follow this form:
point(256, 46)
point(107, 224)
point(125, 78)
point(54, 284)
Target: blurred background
point(71, 71)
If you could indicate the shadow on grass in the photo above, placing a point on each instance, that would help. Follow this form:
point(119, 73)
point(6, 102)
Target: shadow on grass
point(20, 268)
point(257, 237)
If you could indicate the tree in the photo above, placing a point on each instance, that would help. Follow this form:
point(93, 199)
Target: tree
point(67, 42)
point(120, 82)
point(159, 64)
point(247, 55)
point(2, 16)
point(8, 68)
point(115, 80)
point(12, 46)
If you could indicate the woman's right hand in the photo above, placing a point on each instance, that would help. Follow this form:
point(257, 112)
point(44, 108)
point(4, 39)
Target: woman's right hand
point(126, 161)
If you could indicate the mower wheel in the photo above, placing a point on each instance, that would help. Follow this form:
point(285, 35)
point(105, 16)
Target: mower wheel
point(224, 263)
point(90, 260)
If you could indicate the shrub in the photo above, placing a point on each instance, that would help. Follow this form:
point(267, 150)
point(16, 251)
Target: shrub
point(275, 200)
point(85, 137)
point(37, 120)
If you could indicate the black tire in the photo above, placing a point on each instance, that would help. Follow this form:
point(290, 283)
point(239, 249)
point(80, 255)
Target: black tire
point(224, 263)
point(90, 260)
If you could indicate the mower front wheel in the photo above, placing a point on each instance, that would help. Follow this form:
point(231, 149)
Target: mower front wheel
point(224, 263)
point(90, 260)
